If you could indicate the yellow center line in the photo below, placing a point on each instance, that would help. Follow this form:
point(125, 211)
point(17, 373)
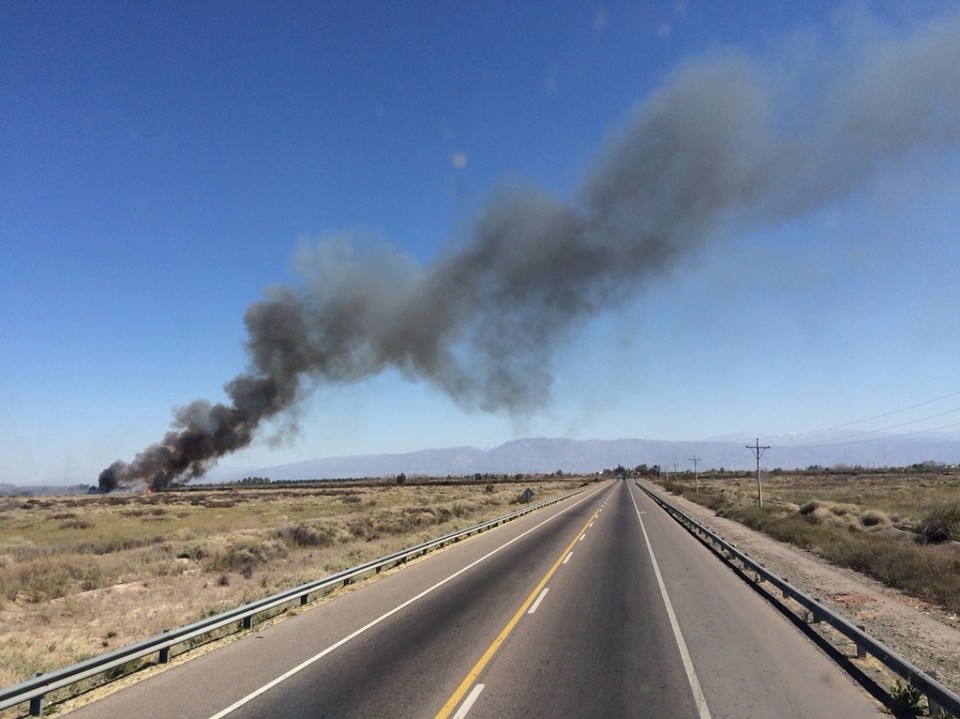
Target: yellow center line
point(471, 677)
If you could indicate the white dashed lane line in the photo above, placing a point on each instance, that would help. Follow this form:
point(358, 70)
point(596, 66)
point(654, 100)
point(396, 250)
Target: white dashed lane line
point(468, 702)
point(536, 604)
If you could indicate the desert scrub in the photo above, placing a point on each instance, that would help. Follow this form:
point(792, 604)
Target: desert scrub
point(930, 572)
point(818, 511)
point(244, 555)
point(674, 487)
point(22, 656)
point(715, 496)
point(941, 525)
point(304, 535)
point(40, 580)
point(875, 518)
point(906, 699)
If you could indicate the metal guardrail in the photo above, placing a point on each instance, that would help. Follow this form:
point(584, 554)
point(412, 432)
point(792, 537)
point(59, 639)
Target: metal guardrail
point(33, 690)
point(938, 696)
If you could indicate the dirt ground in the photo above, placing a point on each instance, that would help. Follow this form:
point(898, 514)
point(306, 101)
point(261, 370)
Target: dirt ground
point(923, 634)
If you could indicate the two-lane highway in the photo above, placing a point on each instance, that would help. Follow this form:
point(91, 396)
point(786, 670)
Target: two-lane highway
point(600, 642)
point(599, 606)
point(644, 621)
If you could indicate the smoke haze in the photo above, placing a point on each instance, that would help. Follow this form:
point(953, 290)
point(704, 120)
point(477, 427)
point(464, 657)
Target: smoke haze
point(727, 141)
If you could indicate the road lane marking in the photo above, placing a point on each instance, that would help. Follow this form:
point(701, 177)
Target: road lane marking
point(536, 604)
point(336, 645)
point(698, 698)
point(474, 673)
point(582, 537)
point(568, 558)
point(468, 702)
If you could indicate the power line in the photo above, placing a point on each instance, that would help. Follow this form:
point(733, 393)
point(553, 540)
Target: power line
point(897, 411)
point(847, 438)
point(880, 439)
point(881, 415)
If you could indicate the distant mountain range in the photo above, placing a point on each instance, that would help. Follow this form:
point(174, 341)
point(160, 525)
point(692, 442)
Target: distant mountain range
point(545, 456)
point(581, 456)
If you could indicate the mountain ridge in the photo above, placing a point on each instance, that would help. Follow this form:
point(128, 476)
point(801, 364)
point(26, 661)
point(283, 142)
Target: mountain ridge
point(542, 455)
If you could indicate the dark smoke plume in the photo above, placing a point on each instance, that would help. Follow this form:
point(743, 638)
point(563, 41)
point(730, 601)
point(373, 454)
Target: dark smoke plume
point(727, 142)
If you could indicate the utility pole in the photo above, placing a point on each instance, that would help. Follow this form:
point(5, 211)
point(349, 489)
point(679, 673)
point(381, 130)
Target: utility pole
point(696, 477)
point(758, 452)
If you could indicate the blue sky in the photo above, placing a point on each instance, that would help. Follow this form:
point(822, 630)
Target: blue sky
point(161, 165)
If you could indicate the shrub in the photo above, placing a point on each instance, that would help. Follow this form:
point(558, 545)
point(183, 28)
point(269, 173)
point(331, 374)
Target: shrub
point(906, 698)
point(41, 580)
point(875, 518)
point(40, 584)
point(244, 556)
point(941, 525)
point(847, 516)
point(360, 528)
point(303, 535)
point(194, 553)
point(76, 523)
point(842, 510)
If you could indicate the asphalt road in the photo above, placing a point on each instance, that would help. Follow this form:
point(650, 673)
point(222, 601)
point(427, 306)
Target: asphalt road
point(601, 606)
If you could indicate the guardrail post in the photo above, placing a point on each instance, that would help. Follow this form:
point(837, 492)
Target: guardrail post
point(248, 621)
point(931, 702)
point(861, 649)
point(36, 703)
point(164, 651)
point(934, 707)
point(303, 599)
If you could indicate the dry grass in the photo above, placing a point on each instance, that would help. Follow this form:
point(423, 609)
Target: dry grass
point(899, 528)
point(80, 575)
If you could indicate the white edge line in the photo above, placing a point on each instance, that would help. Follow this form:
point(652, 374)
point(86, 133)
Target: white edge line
point(468, 702)
point(303, 665)
point(704, 712)
point(533, 607)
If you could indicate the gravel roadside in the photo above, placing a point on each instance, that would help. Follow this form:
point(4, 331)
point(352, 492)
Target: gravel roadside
point(919, 632)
